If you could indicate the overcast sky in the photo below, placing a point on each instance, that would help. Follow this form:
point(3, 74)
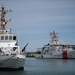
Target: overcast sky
point(33, 20)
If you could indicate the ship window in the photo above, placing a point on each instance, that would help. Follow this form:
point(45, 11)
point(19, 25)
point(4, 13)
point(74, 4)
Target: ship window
point(2, 37)
point(10, 37)
point(14, 37)
point(6, 37)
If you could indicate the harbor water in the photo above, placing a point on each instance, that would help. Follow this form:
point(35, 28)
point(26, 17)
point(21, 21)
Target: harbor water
point(45, 67)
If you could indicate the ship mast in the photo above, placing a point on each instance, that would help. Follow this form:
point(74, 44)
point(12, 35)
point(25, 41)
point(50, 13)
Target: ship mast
point(3, 21)
point(54, 37)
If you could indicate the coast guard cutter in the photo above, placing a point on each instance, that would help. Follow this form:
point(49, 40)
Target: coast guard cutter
point(56, 50)
point(11, 57)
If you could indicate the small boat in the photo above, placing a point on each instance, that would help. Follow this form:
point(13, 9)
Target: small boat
point(56, 50)
point(11, 57)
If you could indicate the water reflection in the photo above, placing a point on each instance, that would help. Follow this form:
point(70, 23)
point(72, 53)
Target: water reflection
point(45, 67)
point(51, 65)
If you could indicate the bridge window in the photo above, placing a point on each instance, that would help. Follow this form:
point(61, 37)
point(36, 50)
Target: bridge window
point(10, 37)
point(2, 37)
point(14, 37)
point(6, 37)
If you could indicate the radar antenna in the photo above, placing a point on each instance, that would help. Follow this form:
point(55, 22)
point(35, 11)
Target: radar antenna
point(3, 21)
point(54, 37)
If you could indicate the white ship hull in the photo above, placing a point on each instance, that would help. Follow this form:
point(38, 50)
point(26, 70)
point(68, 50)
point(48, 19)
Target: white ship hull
point(69, 55)
point(12, 62)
